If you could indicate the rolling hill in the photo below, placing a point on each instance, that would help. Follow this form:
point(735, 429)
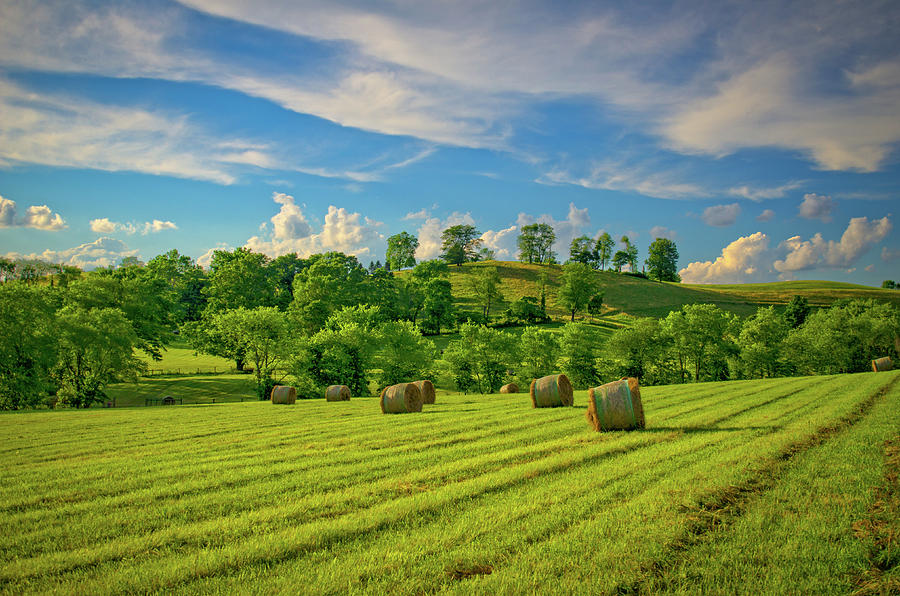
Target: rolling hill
point(641, 297)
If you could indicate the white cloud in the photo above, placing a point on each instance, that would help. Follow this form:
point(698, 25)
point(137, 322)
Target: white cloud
point(566, 230)
point(429, 233)
point(760, 194)
point(38, 217)
point(859, 237)
point(157, 226)
point(104, 225)
point(420, 214)
point(769, 104)
point(870, 268)
point(502, 242)
point(741, 261)
point(205, 259)
point(816, 207)
point(721, 215)
point(291, 232)
point(766, 215)
point(102, 252)
point(662, 232)
point(888, 254)
point(627, 178)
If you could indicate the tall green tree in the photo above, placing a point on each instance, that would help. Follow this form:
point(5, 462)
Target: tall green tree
point(281, 272)
point(437, 308)
point(239, 279)
point(582, 251)
point(535, 243)
point(603, 249)
point(578, 355)
point(185, 280)
point(482, 355)
point(401, 251)
point(662, 260)
point(27, 344)
point(761, 342)
point(539, 351)
point(619, 260)
point(485, 283)
point(638, 348)
point(265, 336)
point(460, 243)
point(145, 300)
point(631, 253)
point(579, 284)
point(331, 281)
point(702, 335)
point(95, 348)
point(401, 353)
point(796, 312)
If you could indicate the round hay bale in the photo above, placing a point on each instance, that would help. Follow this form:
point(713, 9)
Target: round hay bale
point(616, 406)
point(284, 394)
point(551, 391)
point(509, 388)
point(401, 398)
point(337, 393)
point(426, 387)
point(882, 364)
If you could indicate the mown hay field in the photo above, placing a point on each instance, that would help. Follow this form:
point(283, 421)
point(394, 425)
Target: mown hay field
point(751, 486)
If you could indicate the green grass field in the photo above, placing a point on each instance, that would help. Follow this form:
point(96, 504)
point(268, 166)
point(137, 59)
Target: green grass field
point(742, 487)
point(179, 358)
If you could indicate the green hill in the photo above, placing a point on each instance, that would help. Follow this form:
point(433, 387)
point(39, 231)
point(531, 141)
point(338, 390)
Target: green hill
point(641, 297)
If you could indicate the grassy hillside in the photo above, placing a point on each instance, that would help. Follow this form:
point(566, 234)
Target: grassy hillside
point(641, 297)
point(748, 487)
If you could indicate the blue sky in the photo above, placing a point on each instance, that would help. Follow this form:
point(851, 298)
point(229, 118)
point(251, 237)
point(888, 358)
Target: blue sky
point(761, 136)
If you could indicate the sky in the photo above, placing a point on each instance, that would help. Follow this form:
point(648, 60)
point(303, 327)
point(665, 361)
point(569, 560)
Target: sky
point(762, 137)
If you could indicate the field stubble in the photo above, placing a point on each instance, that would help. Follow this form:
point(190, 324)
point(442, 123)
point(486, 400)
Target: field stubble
point(478, 494)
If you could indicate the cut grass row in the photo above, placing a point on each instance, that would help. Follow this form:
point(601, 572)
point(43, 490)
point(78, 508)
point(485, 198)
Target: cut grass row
point(348, 497)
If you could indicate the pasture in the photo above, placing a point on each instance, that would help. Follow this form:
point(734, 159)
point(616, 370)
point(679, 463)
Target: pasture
point(741, 487)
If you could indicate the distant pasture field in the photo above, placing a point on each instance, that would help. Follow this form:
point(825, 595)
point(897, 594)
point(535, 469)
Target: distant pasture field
point(773, 486)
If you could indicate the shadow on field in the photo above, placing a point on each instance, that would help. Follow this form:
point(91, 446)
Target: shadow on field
point(708, 429)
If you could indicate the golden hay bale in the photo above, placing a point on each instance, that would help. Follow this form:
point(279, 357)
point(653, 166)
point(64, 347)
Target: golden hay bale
point(616, 406)
point(400, 398)
point(551, 391)
point(283, 394)
point(882, 364)
point(337, 393)
point(426, 387)
point(509, 388)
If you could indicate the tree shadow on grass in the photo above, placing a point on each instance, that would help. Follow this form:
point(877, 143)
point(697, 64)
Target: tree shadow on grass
point(708, 429)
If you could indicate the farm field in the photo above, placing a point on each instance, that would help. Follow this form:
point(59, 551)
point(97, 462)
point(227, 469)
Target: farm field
point(741, 487)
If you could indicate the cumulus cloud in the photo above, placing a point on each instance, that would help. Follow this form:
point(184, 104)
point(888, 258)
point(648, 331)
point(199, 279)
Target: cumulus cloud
point(206, 258)
point(429, 233)
point(721, 215)
point(420, 214)
point(888, 254)
point(502, 242)
point(860, 236)
point(102, 252)
point(291, 232)
point(741, 261)
point(104, 225)
point(816, 207)
point(38, 217)
point(662, 232)
point(766, 215)
point(566, 230)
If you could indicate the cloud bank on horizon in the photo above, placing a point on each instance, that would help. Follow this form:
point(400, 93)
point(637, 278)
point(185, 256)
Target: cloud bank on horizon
point(768, 128)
